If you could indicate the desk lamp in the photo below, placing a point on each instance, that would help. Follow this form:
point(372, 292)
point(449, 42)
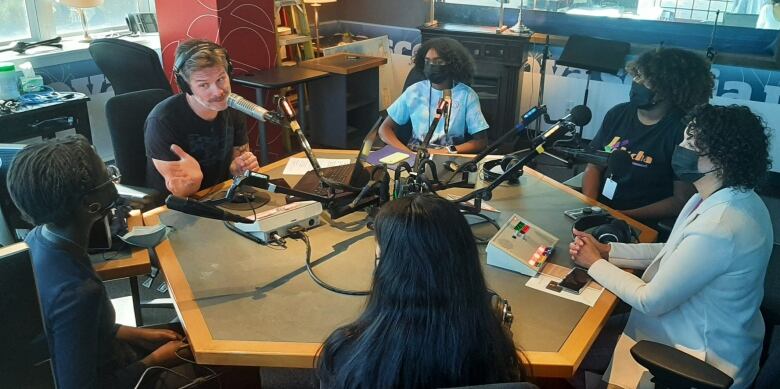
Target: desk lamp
point(316, 4)
point(80, 5)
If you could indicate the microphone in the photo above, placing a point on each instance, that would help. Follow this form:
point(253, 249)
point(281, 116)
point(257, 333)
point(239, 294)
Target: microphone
point(447, 96)
point(579, 116)
point(600, 158)
point(471, 166)
point(196, 208)
point(619, 165)
point(249, 108)
point(289, 113)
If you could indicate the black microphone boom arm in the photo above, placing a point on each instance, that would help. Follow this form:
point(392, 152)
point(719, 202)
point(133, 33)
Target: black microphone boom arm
point(513, 170)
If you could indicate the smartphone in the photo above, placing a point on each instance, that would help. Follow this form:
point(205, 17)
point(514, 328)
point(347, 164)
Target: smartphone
point(575, 281)
point(578, 212)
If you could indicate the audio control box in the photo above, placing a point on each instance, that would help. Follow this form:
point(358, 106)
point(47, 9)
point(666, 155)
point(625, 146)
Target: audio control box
point(305, 214)
point(520, 246)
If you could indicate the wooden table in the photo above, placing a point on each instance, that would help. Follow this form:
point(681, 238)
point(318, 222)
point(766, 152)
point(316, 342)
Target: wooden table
point(136, 264)
point(232, 302)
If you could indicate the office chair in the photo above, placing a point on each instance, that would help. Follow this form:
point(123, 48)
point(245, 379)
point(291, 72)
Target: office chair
point(404, 132)
point(126, 114)
point(128, 66)
point(673, 369)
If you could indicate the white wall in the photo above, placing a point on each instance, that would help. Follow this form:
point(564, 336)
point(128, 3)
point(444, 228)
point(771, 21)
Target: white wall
point(563, 92)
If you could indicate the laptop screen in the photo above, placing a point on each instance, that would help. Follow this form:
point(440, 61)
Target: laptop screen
point(368, 141)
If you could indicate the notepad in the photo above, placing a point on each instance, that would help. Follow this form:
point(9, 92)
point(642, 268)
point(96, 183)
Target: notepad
point(299, 166)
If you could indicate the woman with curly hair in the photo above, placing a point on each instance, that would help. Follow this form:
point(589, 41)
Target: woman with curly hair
point(701, 291)
point(667, 84)
point(447, 65)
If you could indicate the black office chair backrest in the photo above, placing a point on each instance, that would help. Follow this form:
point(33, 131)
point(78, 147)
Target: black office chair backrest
point(25, 358)
point(128, 66)
point(126, 115)
point(770, 307)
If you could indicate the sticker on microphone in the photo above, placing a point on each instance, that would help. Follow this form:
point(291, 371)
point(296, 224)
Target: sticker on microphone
point(610, 187)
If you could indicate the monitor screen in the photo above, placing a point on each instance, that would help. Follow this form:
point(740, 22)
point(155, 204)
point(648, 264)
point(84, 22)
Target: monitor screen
point(24, 360)
point(12, 216)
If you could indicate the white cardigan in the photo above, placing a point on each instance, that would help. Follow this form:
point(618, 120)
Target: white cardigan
point(701, 291)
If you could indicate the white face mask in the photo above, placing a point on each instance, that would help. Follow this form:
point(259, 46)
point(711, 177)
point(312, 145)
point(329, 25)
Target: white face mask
point(146, 236)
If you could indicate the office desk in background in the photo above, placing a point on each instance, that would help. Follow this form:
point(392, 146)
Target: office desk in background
point(32, 121)
point(277, 78)
point(246, 304)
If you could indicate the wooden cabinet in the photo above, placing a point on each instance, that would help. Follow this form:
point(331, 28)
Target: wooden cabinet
point(498, 79)
point(344, 106)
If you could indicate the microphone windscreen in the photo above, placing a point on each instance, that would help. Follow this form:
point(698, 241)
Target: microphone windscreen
point(176, 202)
point(581, 115)
point(619, 164)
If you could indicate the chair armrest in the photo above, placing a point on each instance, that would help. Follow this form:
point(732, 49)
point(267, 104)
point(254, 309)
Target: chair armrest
point(675, 369)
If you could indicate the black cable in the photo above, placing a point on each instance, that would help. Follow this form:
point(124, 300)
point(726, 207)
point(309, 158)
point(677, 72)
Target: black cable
point(297, 233)
point(486, 218)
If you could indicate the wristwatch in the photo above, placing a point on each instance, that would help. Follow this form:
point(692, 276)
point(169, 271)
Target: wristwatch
point(451, 149)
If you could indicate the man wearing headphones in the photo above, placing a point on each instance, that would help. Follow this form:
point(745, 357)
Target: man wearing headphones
point(193, 140)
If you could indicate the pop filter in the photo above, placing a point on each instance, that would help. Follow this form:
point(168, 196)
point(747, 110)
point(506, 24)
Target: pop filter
point(619, 165)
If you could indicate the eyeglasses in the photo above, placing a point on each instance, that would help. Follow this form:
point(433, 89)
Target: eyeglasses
point(114, 176)
point(435, 61)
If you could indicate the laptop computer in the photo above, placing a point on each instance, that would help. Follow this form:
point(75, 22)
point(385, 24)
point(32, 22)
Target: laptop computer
point(355, 175)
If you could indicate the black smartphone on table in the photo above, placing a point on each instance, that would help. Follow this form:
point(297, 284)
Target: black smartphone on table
point(575, 281)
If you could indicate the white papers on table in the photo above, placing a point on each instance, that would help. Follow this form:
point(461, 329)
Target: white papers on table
point(588, 296)
point(299, 166)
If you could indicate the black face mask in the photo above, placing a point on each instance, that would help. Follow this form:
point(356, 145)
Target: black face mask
point(437, 74)
point(685, 164)
point(641, 96)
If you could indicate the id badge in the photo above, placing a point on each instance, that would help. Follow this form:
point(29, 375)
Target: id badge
point(610, 187)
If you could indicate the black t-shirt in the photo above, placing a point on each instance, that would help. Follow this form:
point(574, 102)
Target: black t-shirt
point(172, 121)
point(650, 178)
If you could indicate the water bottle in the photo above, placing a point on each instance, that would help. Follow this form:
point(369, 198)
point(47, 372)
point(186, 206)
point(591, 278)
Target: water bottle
point(9, 82)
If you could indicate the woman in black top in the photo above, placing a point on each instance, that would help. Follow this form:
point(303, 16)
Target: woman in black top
point(428, 322)
point(62, 187)
point(667, 83)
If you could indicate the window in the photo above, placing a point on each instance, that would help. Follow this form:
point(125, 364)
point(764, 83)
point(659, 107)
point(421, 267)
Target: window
point(43, 19)
point(13, 20)
point(490, 3)
point(697, 10)
point(111, 14)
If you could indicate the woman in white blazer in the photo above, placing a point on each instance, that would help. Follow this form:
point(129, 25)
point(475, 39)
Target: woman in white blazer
point(700, 291)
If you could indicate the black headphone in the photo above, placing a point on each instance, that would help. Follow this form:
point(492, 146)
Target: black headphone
point(182, 59)
point(605, 228)
point(501, 309)
point(505, 163)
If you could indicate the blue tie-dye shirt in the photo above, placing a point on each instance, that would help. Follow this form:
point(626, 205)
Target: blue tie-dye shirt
point(418, 105)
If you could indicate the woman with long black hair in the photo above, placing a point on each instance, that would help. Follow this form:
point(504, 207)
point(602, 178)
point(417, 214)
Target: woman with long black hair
point(428, 322)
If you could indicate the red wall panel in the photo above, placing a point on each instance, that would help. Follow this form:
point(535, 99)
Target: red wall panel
point(244, 27)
